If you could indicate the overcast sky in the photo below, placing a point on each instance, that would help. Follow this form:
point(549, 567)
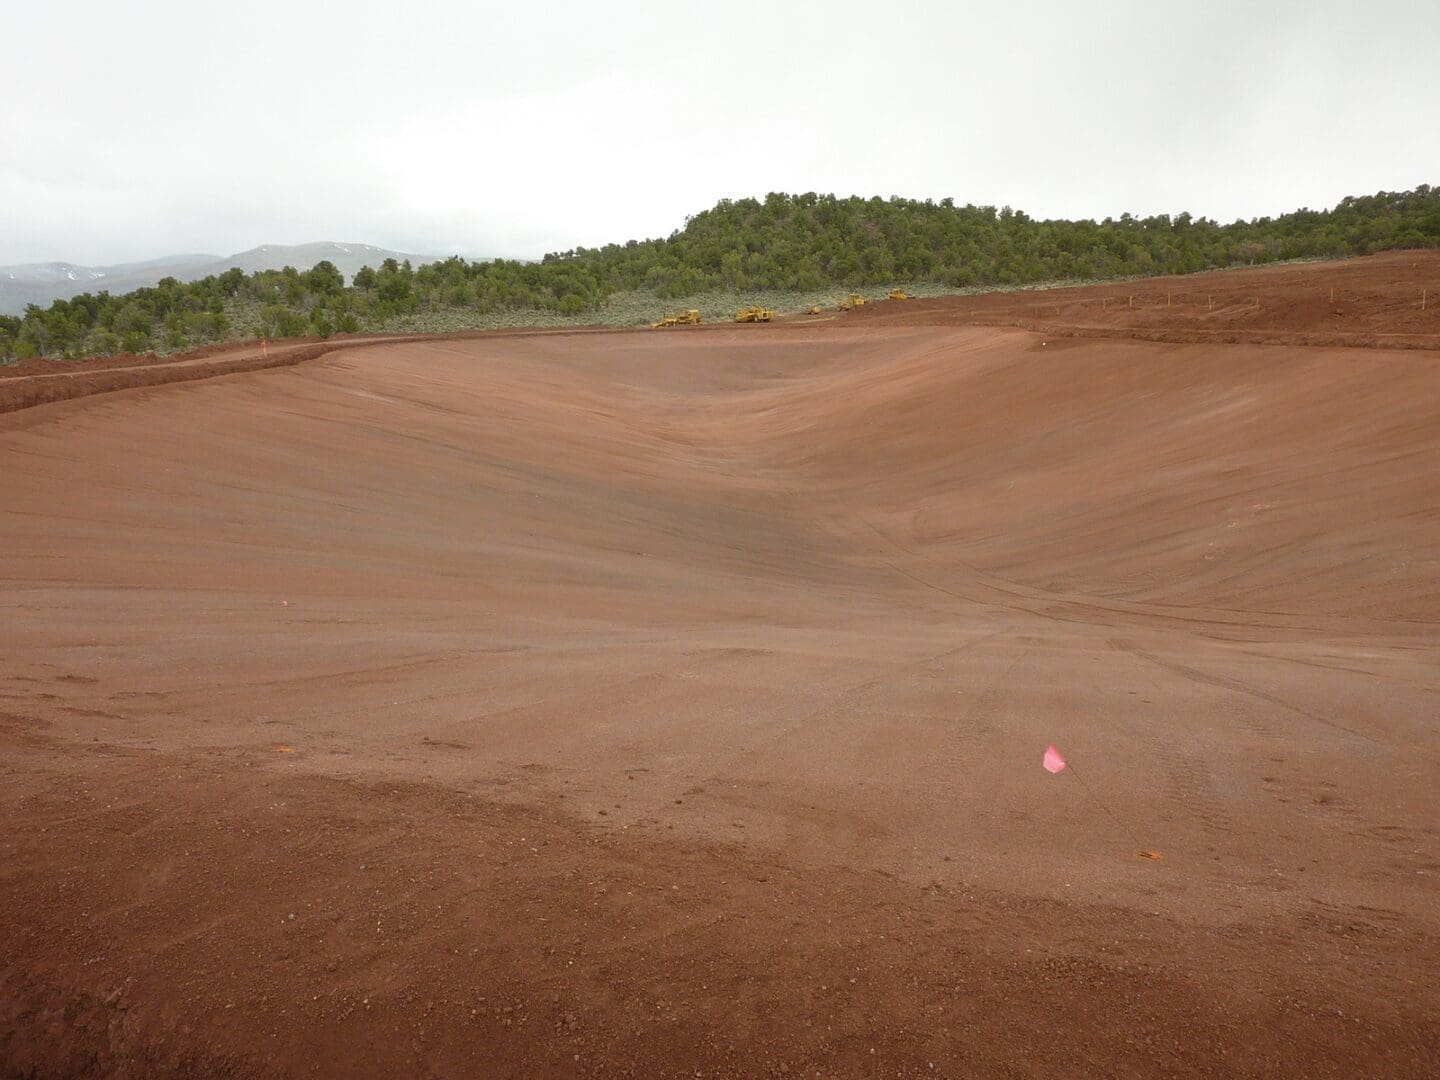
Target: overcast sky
point(133, 130)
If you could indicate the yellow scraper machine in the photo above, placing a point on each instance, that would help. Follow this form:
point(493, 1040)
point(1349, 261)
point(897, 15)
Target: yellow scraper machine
point(814, 309)
point(688, 317)
point(754, 314)
point(856, 300)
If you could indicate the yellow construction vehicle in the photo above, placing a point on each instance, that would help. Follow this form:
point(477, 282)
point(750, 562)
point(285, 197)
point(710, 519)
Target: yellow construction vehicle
point(897, 294)
point(813, 310)
point(856, 300)
point(754, 314)
point(686, 318)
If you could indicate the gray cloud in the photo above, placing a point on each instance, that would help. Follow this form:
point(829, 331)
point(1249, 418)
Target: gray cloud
point(134, 130)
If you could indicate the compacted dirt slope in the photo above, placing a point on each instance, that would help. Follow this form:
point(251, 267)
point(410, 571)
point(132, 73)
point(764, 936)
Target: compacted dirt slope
point(674, 703)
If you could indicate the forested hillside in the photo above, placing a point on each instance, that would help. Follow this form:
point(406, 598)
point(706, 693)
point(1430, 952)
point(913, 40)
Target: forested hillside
point(787, 244)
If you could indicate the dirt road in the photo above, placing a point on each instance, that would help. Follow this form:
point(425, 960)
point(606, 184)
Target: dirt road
point(673, 703)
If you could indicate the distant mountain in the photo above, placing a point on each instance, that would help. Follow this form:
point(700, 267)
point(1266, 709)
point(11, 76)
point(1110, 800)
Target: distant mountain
point(347, 258)
point(42, 283)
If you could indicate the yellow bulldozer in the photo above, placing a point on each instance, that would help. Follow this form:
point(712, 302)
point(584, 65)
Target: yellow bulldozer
point(855, 300)
point(754, 314)
point(897, 294)
point(686, 318)
point(813, 309)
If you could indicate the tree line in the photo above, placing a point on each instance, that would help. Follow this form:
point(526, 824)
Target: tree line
point(785, 242)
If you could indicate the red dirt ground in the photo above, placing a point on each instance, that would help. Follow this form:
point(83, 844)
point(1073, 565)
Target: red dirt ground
point(664, 703)
point(1383, 301)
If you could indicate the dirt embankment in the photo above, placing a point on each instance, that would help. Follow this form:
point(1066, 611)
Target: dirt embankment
point(41, 382)
point(63, 381)
point(1380, 301)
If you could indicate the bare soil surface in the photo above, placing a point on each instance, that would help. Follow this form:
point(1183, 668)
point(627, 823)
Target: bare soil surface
point(1380, 301)
point(664, 703)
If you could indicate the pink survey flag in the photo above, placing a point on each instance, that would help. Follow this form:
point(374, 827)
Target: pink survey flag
point(1053, 761)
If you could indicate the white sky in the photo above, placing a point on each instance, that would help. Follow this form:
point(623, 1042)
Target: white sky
point(133, 130)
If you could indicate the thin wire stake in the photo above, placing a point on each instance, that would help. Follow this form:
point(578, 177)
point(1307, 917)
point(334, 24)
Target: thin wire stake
point(1091, 793)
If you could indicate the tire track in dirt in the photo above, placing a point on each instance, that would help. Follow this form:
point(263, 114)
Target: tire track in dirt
point(1235, 686)
point(948, 760)
point(1093, 611)
point(1314, 798)
point(1191, 782)
point(748, 762)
